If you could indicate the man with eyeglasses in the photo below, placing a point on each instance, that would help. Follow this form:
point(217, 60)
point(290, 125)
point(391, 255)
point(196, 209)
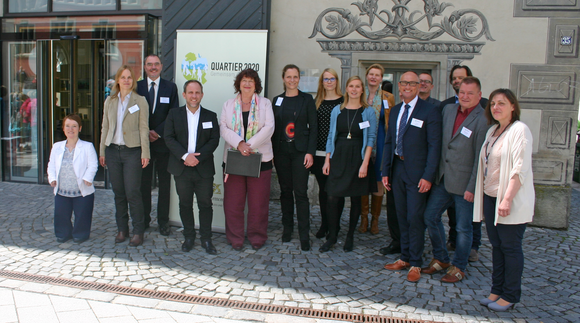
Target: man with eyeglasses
point(425, 88)
point(410, 161)
point(161, 96)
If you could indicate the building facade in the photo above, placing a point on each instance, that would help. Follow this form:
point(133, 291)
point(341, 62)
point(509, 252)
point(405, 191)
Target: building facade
point(58, 57)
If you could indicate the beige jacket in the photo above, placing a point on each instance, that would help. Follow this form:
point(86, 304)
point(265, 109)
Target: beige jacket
point(516, 159)
point(135, 125)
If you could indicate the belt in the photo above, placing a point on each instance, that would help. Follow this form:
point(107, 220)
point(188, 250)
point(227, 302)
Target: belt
point(400, 157)
point(118, 147)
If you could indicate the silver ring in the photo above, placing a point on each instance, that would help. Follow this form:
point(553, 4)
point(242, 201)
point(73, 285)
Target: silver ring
point(245, 151)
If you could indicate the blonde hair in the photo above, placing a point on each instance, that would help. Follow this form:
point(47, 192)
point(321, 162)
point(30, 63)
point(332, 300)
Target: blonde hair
point(363, 101)
point(116, 88)
point(321, 92)
point(377, 66)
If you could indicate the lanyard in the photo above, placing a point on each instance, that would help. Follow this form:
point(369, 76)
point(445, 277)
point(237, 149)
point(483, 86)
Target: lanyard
point(487, 153)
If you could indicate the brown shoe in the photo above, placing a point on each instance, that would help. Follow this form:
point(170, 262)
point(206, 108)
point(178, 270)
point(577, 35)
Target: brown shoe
point(414, 274)
point(121, 236)
point(398, 265)
point(435, 266)
point(453, 275)
point(137, 240)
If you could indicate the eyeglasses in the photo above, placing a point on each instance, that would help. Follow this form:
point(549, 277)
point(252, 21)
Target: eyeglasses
point(153, 64)
point(405, 83)
point(247, 82)
point(425, 81)
point(332, 79)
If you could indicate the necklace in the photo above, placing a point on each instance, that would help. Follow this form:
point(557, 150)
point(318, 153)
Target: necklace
point(351, 122)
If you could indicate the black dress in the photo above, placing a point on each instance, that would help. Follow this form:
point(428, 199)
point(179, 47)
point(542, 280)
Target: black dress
point(346, 161)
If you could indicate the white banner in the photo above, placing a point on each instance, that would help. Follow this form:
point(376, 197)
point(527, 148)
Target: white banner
point(215, 57)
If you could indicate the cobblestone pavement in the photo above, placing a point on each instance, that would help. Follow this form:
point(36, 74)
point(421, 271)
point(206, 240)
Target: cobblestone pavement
point(280, 273)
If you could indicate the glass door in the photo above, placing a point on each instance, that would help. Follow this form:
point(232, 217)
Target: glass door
point(19, 113)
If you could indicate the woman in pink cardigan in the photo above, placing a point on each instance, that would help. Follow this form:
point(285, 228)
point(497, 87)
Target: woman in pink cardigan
point(247, 124)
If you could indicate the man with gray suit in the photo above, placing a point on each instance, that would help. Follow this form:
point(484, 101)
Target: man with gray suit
point(464, 129)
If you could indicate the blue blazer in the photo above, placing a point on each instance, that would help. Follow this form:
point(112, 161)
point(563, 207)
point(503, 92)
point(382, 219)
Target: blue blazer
point(369, 134)
point(421, 145)
point(168, 90)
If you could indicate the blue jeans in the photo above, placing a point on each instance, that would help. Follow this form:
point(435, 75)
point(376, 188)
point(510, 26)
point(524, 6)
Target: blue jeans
point(438, 202)
point(82, 206)
point(507, 253)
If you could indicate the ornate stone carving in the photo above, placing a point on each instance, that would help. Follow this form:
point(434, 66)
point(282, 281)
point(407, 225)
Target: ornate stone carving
point(559, 132)
point(401, 47)
point(566, 42)
point(547, 87)
point(462, 24)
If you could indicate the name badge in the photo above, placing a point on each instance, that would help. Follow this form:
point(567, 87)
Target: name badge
point(386, 104)
point(417, 123)
point(466, 132)
point(207, 125)
point(134, 109)
point(279, 101)
point(164, 99)
point(364, 124)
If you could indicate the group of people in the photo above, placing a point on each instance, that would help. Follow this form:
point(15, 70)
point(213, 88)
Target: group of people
point(466, 156)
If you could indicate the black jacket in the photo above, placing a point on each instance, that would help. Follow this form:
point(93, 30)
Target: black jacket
point(305, 124)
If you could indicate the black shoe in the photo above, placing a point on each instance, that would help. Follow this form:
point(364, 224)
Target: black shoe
point(63, 240)
point(305, 245)
point(326, 246)
point(80, 240)
point(287, 235)
point(187, 244)
point(390, 249)
point(348, 244)
point(209, 248)
point(164, 230)
point(322, 232)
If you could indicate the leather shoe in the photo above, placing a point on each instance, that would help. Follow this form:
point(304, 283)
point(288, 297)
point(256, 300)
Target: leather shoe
point(390, 249)
point(187, 244)
point(453, 275)
point(414, 274)
point(398, 265)
point(209, 248)
point(473, 256)
point(255, 246)
point(305, 245)
point(121, 236)
point(321, 232)
point(80, 240)
point(326, 246)
point(348, 244)
point(238, 247)
point(435, 266)
point(136, 241)
point(164, 230)
point(450, 246)
point(63, 240)
point(287, 235)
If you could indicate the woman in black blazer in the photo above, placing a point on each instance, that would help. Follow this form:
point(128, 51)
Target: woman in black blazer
point(294, 143)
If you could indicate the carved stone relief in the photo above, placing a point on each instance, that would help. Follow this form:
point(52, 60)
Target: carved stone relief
point(547, 87)
point(546, 8)
point(549, 171)
point(559, 132)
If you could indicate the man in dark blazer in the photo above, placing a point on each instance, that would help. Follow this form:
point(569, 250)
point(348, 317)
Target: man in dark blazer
point(457, 74)
point(410, 160)
point(464, 130)
point(161, 96)
point(192, 135)
point(425, 88)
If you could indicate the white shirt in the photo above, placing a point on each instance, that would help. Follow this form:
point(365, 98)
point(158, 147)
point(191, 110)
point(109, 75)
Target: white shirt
point(156, 89)
point(400, 116)
point(192, 123)
point(121, 107)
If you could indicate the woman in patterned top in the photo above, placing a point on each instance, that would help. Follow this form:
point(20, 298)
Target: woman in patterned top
point(71, 169)
point(327, 97)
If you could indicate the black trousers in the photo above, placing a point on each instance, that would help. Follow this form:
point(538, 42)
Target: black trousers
point(159, 161)
point(125, 172)
point(293, 179)
point(392, 219)
point(187, 184)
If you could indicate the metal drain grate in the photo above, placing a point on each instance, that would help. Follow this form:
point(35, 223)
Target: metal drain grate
point(205, 300)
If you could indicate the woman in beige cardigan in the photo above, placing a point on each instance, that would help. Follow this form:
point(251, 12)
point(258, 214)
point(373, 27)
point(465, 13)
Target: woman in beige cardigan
point(504, 195)
point(124, 150)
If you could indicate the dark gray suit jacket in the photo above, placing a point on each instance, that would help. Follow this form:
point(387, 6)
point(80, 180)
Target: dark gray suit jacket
point(460, 153)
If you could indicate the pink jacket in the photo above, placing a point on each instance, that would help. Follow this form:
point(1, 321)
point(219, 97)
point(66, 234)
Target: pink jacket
point(261, 140)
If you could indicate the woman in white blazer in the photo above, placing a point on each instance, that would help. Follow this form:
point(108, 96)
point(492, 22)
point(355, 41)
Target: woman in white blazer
point(71, 169)
point(504, 196)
